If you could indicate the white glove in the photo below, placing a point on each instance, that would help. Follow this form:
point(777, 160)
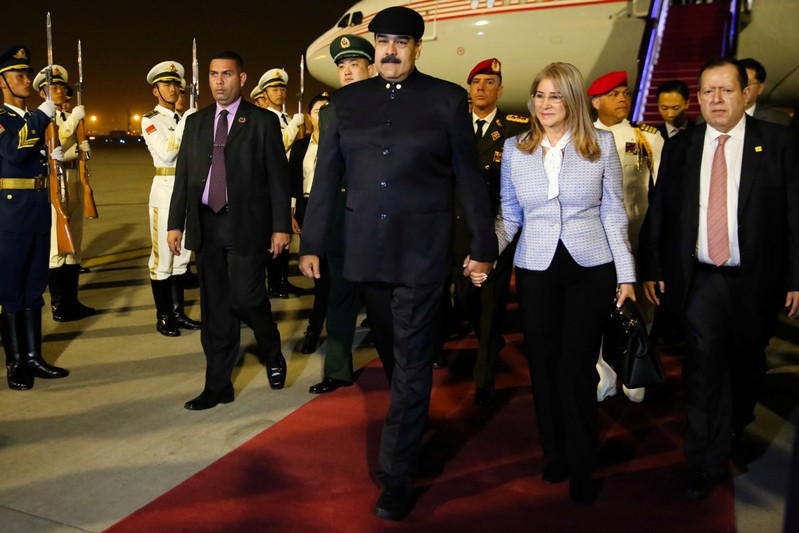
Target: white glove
point(48, 108)
point(57, 154)
point(78, 113)
point(84, 146)
point(189, 111)
point(297, 120)
point(71, 154)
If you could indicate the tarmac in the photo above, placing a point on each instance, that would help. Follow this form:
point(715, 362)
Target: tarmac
point(81, 453)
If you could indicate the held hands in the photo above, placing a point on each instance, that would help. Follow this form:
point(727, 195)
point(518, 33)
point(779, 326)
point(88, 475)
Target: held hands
point(173, 239)
point(78, 113)
point(625, 290)
point(477, 271)
point(280, 242)
point(48, 108)
point(309, 266)
point(298, 120)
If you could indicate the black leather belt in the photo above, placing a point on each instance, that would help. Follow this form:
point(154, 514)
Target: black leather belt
point(713, 269)
point(37, 184)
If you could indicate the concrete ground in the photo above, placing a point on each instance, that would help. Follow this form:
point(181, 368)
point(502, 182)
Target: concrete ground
point(81, 453)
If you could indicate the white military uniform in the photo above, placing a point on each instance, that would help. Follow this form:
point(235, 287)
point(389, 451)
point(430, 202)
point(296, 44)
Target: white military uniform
point(163, 135)
point(288, 129)
point(67, 135)
point(639, 146)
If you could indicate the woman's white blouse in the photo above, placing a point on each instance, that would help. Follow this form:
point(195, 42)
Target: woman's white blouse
point(588, 214)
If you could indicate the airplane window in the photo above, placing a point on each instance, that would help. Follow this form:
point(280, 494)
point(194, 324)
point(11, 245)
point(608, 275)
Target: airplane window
point(357, 18)
point(345, 21)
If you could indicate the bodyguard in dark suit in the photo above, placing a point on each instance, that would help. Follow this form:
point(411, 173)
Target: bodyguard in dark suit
point(24, 222)
point(485, 306)
point(403, 144)
point(673, 102)
point(721, 242)
point(231, 196)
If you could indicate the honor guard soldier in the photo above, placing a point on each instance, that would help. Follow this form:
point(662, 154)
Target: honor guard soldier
point(485, 306)
point(639, 146)
point(257, 97)
point(24, 222)
point(65, 268)
point(162, 129)
point(354, 57)
point(273, 84)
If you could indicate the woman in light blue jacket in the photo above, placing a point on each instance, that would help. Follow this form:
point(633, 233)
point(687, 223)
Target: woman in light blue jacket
point(562, 186)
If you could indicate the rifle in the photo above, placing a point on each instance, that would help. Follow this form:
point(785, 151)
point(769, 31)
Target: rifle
point(58, 189)
point(194, 92)
point(89, 207)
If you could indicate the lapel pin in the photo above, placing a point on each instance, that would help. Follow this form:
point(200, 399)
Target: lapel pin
point(495, 135)
point(758, 148)
point(242, 120)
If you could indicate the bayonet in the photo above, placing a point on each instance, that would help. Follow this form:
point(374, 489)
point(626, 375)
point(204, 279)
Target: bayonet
point(194, 94)
point(302, 83)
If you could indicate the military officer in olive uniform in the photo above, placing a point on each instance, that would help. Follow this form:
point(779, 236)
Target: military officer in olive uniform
point(65, 268)
point(485, 306)
point(639, 146)
point(162, 129)
point(24, 222)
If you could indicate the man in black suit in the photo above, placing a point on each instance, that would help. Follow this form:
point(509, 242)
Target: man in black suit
point(721, 243)
point(756, 76)
point(232, 197)
point(673, 102)
point(485, 306)
point(403, 144)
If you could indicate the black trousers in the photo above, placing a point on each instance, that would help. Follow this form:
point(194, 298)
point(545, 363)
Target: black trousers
point(724, 366)
point(564, 309)
point(485, 307)
point(232, 289)
point(405, 317)
point(24, 269)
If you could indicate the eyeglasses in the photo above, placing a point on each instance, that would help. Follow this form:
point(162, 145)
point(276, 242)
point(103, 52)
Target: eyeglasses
point(541, 98)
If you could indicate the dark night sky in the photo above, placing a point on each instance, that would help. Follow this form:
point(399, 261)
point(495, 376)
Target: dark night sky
point(122, 40)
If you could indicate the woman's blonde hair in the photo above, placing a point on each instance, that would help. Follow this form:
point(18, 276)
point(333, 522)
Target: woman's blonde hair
point(569, 83)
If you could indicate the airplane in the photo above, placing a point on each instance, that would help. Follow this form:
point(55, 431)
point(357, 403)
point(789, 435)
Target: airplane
point(597, 36)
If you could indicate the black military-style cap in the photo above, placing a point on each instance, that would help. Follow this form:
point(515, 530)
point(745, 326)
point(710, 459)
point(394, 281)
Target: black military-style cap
point(17, 57)
point(349, 45)
point(398, 20)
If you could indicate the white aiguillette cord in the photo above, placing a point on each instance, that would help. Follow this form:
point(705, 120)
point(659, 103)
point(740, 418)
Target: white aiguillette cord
point(553, 161)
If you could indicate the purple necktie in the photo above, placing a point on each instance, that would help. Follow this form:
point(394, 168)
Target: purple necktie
point(217, 190)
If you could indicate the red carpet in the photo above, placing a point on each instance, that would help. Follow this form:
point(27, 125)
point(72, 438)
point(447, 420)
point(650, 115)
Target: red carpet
point(480, 467)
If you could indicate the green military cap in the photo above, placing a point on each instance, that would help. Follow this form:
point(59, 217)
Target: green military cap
point(349, 45)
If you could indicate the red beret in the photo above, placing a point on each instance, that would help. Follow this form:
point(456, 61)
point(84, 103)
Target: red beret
point(488, 66)
point(608, 82)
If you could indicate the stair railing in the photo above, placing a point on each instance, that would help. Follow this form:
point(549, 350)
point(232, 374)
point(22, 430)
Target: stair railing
point(649, 53)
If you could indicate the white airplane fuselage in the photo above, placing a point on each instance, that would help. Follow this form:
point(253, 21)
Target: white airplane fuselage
point(597, 36)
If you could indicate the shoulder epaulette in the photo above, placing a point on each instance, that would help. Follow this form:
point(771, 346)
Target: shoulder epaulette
point(151, 114)
point(517, 118)
point(644, 127)
point(2, 111)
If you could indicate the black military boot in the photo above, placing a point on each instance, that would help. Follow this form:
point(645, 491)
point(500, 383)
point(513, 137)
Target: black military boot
point(55, 283)
point(179, 317)
point(32, 335)
point(77, 310)
point(162, 294)
point(19, 377)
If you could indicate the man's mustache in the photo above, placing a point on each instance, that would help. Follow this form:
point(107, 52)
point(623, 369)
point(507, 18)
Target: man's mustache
point(391, 59)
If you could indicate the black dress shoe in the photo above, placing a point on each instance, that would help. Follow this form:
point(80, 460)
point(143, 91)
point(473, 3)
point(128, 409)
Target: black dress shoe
point(483, 397)
point(582, 489)
point(71, 313)
point(183, 322)
point(699, 484)
point(208, 399)
point(328, 385)
point(276, 372)
point(555, 472)
point(394, 503)
point(310, 342)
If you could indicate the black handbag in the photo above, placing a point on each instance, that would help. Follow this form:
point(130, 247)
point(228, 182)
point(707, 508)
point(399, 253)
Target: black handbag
point(626, 348)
